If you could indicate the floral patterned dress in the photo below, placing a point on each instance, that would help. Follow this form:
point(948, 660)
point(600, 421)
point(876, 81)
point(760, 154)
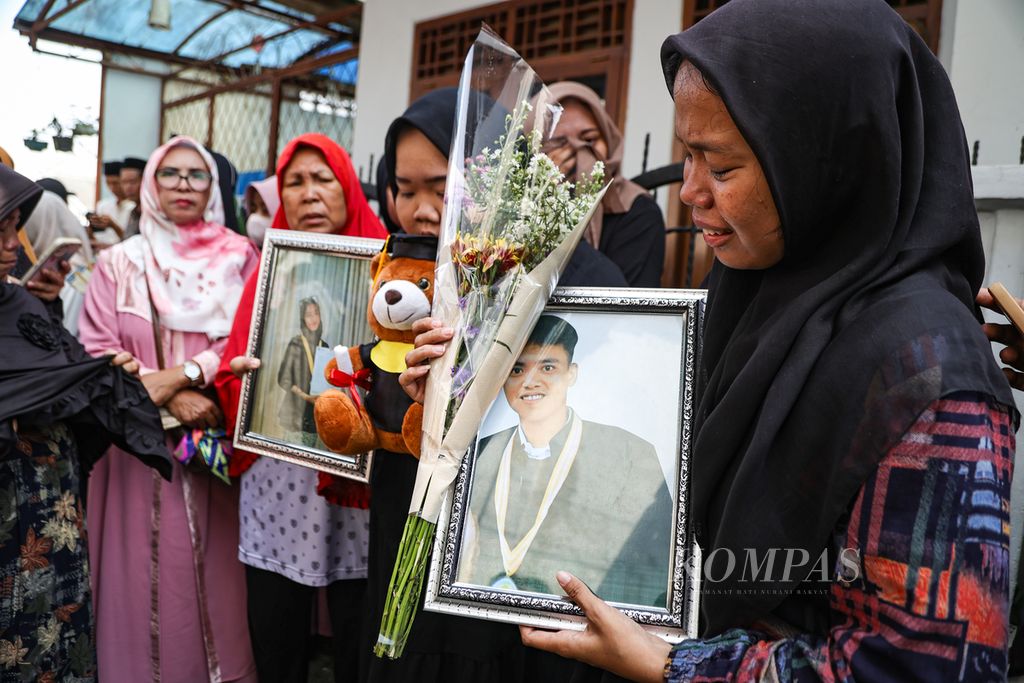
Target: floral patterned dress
point(46, 628)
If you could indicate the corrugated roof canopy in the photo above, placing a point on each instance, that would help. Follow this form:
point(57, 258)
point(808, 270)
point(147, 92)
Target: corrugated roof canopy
point(227, 33)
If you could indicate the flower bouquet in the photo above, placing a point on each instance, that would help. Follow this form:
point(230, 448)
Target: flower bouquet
point(510, 225)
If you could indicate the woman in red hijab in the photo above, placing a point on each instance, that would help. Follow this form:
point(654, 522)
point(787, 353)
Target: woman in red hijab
point(293, 541)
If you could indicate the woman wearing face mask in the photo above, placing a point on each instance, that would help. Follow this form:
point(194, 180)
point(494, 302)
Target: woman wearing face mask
point(294, 542)
point(627, 227)
point(170, 603)
point(261, 204)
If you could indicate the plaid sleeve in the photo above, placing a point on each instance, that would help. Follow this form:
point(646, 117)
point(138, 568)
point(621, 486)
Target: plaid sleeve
point(931, 527)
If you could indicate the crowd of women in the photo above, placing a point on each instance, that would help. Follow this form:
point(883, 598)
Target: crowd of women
point(847, 393)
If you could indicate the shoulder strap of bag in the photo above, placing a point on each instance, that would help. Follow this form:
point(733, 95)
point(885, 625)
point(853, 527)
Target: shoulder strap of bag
point(155, 318)
point(169, 421)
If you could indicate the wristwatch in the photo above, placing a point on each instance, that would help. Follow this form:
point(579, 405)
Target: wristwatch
point(193, 372)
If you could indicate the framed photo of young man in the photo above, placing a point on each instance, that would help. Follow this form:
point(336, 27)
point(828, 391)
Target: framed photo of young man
point(312, 295)
point(581, 465)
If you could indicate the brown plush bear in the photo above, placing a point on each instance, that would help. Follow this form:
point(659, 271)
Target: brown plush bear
point(387, 418)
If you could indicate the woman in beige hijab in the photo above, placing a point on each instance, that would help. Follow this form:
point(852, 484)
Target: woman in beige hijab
point(628, 226)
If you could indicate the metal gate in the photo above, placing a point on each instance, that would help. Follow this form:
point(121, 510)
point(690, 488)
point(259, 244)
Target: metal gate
point(251, 119)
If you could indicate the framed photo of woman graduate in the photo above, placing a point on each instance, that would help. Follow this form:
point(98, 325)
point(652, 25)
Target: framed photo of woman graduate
point(581, 465)
point(312, 296)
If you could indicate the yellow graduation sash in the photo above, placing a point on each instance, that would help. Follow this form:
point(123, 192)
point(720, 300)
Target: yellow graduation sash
point(512, 558)
point(309, 352)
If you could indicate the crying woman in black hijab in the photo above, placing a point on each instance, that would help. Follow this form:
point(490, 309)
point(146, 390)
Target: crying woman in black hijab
point(850, 412)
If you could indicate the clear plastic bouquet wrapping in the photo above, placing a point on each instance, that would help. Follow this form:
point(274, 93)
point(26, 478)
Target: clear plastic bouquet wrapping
point(510, 225)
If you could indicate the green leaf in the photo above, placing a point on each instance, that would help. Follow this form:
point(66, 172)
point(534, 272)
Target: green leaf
point(82, 656)
point(39, 605)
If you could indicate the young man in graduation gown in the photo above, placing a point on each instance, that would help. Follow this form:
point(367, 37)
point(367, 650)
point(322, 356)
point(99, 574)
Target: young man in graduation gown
point(557, 490)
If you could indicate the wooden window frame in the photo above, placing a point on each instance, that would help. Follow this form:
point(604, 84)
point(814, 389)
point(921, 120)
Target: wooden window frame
point(924, 16)
point(504, 17)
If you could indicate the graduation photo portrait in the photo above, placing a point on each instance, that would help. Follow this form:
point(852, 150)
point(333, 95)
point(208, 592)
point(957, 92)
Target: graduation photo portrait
point(311, 297)
point(580, 465)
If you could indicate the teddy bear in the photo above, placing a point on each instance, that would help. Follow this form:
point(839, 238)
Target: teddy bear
point(403, 287)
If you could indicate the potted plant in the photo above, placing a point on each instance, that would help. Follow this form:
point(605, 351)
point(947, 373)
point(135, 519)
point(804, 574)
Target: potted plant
point(83, 128)
point(34, 143)
point(61, 142)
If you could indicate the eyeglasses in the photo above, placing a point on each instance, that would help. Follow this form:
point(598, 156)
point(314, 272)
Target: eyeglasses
point(169, 178)
point(551, 144)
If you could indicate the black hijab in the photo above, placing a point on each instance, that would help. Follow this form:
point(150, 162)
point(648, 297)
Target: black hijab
point(227, 178)
point(814, 368)
point(382, 187)
point(434, 115)
point(55, 186)
point(17, 191)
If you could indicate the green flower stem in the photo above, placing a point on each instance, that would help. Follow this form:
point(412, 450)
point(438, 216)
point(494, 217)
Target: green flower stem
point(406, 585)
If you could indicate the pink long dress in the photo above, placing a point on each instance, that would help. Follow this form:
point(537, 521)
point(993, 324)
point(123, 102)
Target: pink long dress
point(168, 588)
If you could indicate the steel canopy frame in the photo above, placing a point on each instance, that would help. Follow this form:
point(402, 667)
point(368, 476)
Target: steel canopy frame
point(43, 26)
point(329, 36)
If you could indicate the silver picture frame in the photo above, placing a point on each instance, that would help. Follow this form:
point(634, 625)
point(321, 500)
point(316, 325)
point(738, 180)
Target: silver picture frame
point(678, 619)
point(259, 397)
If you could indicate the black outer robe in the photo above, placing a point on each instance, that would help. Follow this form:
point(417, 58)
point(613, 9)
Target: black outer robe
point(46, 376)
point(635, 242)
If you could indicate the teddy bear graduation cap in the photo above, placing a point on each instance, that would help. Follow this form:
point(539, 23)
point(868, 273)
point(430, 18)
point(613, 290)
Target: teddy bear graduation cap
point(403, 286)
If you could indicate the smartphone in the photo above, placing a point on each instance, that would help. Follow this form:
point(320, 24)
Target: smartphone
point(1008, 305)
point(91, 217)
point(61, 250)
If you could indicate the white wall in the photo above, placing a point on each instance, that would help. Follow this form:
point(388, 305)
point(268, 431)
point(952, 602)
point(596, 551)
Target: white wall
point(982, 48)
point(649, 107)
point(131, 116)
point(985, 61)
point(385, 63)
point(999, 196)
